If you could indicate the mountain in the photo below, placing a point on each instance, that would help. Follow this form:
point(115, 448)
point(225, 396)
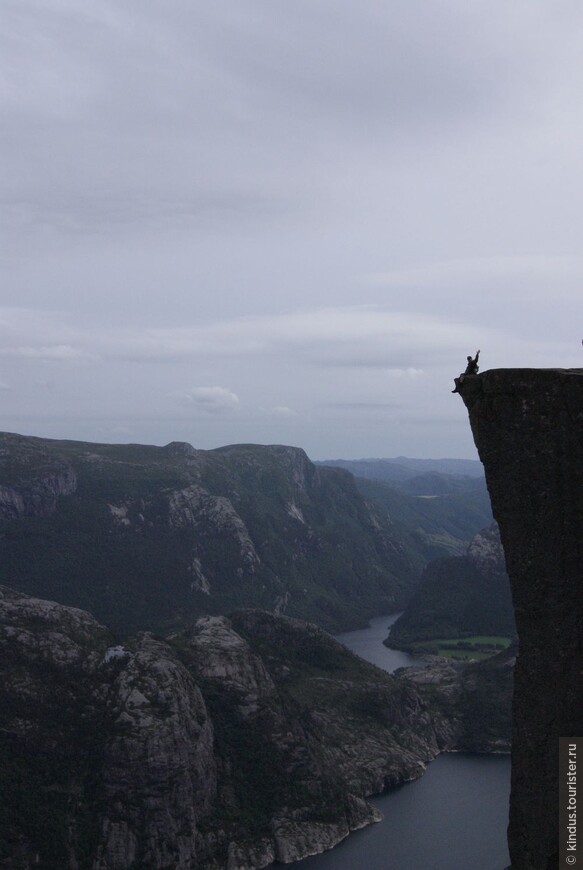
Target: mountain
point(233, 744)
point(151, 537)
point(438, 505)
point(528, 427)
point(432, 526)
point(459, 597)
point(232, 741)
point(404, 468)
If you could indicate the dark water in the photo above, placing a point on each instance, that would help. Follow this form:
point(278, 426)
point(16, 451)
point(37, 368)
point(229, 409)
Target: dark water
point(368, 644)
point(453, 818)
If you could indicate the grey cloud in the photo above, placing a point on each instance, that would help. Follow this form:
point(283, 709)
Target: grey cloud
point(360, 337)
point(73, 212)
point(321, 61)
point(282, 411)
point(120, 117)
point(369, 406)
point(387, 351)
point(212, 400)
point(57, 353)
point(215, 187)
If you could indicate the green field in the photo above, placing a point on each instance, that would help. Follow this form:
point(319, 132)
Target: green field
point(477, 647)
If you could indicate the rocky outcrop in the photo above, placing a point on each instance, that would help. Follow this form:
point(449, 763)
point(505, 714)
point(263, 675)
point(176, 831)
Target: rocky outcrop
point(40, 496)
point(233, 744)
point(194, 506)
point(158, 769)
point(486, 552)
point(528, 428)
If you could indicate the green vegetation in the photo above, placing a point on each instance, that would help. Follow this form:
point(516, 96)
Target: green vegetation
point(258, 779)
point(48, 762)
point(469, 649)
point(458, 599)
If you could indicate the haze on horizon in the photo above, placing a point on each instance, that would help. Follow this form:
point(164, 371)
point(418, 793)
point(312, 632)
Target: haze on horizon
point(250, 221)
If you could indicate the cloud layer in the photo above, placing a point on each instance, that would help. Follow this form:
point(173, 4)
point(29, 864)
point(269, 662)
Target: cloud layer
point(248, 221)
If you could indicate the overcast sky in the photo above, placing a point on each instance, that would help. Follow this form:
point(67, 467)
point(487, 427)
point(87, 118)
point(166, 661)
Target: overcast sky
point(285, 221)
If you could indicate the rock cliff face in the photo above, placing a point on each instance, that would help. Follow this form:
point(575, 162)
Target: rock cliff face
point(528, 428)
point(225, 747)
point(45, 476)
point(151, 537)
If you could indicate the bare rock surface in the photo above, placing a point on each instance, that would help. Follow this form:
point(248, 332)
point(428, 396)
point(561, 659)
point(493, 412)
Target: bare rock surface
point(528, 427)
point(486, 551)
point(232, 744)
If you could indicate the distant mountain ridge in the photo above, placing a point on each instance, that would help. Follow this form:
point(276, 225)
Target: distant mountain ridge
point(403, 468)
point(151, 537)
point(438, 504)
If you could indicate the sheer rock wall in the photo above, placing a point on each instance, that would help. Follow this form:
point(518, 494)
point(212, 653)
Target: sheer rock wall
point(528, 427)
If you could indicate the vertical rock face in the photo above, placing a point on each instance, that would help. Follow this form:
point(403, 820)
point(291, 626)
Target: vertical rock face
point(41, 495)
point(528, 428)
point(107, 757)
point(159, 771)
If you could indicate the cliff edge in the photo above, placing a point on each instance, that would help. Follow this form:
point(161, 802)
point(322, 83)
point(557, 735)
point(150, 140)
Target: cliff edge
point(528, 428)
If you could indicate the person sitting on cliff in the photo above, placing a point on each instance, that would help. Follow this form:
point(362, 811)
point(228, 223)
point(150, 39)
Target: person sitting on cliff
point(471, 369)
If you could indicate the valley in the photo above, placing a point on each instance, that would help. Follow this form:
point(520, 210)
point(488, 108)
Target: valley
point(207, 571)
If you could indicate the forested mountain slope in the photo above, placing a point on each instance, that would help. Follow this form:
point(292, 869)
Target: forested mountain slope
point(150, 537)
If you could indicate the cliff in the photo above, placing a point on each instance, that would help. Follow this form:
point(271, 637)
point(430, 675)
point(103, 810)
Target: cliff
point(149, 537)
point(230, 745)
point(528, 427)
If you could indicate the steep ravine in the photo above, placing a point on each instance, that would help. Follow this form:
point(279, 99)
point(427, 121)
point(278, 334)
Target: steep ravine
point(528, 427)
